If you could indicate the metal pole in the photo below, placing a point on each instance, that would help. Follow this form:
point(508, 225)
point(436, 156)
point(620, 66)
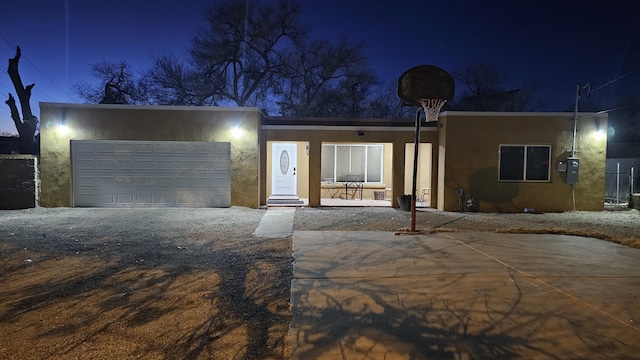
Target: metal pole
point(573, 145)
point(575, 121)
point(416, 143)
point(618, 184)
point(631, 182)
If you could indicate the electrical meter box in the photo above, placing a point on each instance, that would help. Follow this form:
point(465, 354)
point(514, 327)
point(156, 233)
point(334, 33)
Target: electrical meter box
point(573, 166)
point(562, 167)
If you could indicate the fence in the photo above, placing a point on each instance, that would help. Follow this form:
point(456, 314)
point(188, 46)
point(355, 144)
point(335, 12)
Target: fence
point(18, 181)
point(621, 180)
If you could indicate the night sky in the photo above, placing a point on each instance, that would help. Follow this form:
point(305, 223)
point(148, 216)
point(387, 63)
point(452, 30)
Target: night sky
point(553, 44)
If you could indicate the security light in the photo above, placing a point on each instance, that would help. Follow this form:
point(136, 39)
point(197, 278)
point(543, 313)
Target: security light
point(62, 128)
point(236, 132)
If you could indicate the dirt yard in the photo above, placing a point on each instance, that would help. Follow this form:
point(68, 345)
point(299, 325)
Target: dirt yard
point(187, 283)
point(152, 284)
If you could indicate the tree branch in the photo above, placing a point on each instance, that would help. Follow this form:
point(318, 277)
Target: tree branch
point(24, 94)
point(14, 114)
point(27, 125)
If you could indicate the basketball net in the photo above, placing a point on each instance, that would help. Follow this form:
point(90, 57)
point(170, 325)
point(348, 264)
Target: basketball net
point(432, 108)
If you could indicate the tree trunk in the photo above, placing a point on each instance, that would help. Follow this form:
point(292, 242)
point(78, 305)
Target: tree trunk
point(27, 125)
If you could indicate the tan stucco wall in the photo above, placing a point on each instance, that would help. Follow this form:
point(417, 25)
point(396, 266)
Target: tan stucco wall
point(147, 123)
point(464, 152)
point(470, 143)
point(394, 141)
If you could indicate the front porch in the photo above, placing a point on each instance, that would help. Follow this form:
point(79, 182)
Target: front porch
point(328, 202)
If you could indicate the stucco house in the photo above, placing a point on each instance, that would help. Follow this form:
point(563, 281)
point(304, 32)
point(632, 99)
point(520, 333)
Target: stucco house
point(142, 156)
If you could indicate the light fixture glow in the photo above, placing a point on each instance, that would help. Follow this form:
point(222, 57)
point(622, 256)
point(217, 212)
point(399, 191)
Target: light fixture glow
point(598, 135)
point(63, 129)
point(236, 132)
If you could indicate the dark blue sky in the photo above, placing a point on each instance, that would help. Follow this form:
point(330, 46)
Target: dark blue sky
point(554, 44)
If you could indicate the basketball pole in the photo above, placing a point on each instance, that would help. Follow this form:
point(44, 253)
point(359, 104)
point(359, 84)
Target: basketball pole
point(416, 144)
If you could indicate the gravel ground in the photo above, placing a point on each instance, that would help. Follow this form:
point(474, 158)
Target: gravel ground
point(190, 283)
point(619, 226)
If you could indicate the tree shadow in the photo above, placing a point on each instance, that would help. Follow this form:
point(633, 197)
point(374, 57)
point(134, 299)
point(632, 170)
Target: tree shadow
point(440, 315)
point(94, 295)
point(485, 188)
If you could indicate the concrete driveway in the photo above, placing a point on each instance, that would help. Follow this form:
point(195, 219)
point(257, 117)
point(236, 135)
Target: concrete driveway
point(375, 295)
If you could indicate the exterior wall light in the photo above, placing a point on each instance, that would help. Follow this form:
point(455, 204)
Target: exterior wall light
point(599, 133)
point(62, 128)
point(236, 132)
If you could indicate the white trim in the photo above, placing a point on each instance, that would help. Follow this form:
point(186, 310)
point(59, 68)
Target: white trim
point(345, 128)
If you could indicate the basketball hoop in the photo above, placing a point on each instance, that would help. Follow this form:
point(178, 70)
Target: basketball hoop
point(432, 108)
point(430, 87)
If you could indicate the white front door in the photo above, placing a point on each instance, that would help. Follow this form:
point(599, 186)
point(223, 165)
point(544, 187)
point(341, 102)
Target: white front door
point(283, 169)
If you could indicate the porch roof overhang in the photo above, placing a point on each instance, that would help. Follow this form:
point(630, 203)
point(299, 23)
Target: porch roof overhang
point(369, 124)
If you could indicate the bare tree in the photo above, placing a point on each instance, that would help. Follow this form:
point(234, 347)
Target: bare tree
point(250, 55)
point(117, 84)
point(28, 123)
point(323, 79)
point(172, 82)
point(7, 134)
point(241, 51)
point(384, 103)
point(486, 89)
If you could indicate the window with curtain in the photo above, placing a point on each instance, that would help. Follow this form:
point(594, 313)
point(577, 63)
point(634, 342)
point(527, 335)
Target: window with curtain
point(338, 161)
point(525, 163)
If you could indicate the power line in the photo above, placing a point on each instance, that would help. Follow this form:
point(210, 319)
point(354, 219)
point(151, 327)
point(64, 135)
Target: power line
point(610, 82)
point(37, 69)
point(618, 108)
point(6, 86)
point(34, 91)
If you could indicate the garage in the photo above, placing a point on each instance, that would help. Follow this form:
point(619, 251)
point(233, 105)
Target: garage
point(107, 173)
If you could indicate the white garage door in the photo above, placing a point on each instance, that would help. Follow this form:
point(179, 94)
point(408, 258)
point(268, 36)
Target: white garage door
point(151, 173)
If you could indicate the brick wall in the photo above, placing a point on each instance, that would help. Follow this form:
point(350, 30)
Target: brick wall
point(18, 181)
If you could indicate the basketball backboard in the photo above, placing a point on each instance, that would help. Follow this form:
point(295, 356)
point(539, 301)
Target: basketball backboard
point(425, 82)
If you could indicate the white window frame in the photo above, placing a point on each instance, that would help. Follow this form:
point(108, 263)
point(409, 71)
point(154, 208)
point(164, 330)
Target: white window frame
point(525, 163)
point(366, 161)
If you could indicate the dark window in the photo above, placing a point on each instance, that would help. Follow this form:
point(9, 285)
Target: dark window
point(524, 162)
point(538, 163)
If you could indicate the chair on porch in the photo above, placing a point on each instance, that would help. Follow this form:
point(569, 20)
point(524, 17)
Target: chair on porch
point(353, 186)
point(331, 189)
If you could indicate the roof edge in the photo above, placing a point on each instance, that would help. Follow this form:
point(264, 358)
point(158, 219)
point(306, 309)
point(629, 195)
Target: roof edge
point(519, 113)
point(150, 107)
